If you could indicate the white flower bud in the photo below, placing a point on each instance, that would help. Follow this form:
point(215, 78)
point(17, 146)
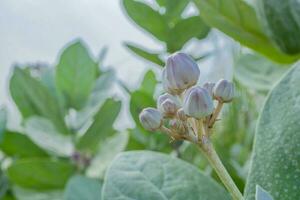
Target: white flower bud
point(181, 115)
point(180, 73)
point(151, 119)
point(209, 87)
point(223, 91)
point(198, 103)
point(168, 104)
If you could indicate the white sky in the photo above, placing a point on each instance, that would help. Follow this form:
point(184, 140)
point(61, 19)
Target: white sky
point(35, 30)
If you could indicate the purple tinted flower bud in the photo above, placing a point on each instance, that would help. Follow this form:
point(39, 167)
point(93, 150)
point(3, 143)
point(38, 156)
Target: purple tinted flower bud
point(151, 119)
point(223, 91)
point(180, 73)
point(198, 103)
point(168, 104)
point(209, 87)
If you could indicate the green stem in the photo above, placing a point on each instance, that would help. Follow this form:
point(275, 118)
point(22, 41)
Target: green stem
point(208, 150)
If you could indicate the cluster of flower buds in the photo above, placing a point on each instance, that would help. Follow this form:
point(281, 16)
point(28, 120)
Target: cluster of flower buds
point(186, 111)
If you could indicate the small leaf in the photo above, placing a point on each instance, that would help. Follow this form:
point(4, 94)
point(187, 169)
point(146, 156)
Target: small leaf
point(275, 161)
point(106, 153)
point(33, 98)
point(19, 145)
point(261, 194)
point(101, 127)
point(147, 18)
point(149, 56)
point(157, 176)
point(42, 132)
point(257, 72)
point(174, 9)
point(184, 30)
point(76, 74)
point(40, 173)
point(149, 83)
point(80, 187)
point(238, 20)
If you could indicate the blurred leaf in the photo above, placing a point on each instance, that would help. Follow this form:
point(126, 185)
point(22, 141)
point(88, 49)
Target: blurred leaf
point(185, 30)
point(27, 194)
point(80, 187)
point(149, 56)
point(106, 153)
point(76, 74)
point(238, 20)
point(19, 145)
point(261, 194)
point(275, 159)
point(147, 18)
point(161, 3)
point(257, 72)
point(42, 132)
point(149, 83)
point(4, 185)
point(158, 176)
point(101, 128)
point(33, 98)
point(40, 173)
point(281, 24)
point(3, 121)
point(174, 8)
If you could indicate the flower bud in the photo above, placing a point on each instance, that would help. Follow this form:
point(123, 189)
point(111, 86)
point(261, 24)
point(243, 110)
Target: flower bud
point(223, 91)
point(209, 87)
point(180, 73)
point(151, 119)
point(181, 115)
point(198, 103)
point(168, 104)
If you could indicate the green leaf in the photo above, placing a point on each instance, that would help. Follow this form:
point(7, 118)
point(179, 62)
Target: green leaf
point(147, 18)
point(80, 187)
point(149, 83)
point(158, 176)
point(238, 20)
point(28, 194)
point(42, 132)
point(101, 127)
point(76, 74)
point(281, 25)
point(174, 8)
point(261, 194)
point(19, 145)
point(106, 153)
point(142, 52)
point(257, 72)
point(184, 30)
point(275, 162)
point(3, 121)
point(33, 98)
point(40, 173)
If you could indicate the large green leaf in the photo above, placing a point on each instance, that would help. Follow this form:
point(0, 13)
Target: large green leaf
point(80, 187)
point(101, 128)
point(147, 18)
point(142, 52)
point(33, 98)
point(261, 194)
point(19, 145)
point(40, 173)
point(275, 162)
point(42, 132)
point(149, 82)
point(257, 72)
point(238, 20)
point(76, 74)
point(184, 30)
point(157, 176)
point(281, 24)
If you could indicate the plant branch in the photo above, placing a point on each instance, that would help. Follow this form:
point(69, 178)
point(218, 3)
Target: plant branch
point(208, 150)
point(215, 114)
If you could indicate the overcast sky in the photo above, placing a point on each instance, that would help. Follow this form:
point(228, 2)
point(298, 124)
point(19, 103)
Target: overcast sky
point(35, 30)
